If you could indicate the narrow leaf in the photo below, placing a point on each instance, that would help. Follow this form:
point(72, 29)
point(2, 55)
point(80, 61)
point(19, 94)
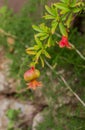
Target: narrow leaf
point(36, 47)
point(46, 54)
point(44, 37)
point(68, 22)
point(76, 10)
point(38, 55)
point(31, 52)
point(38, 41)
point(62, 6)
point(62, 29)
point(30, 48)
point(49, 10)
point(36, 28)
point(47, 16)
point(42, 61)
point(54, 26)
point(49, 42)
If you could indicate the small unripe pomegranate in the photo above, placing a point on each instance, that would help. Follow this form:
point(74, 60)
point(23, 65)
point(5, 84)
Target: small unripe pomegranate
point(31, 74)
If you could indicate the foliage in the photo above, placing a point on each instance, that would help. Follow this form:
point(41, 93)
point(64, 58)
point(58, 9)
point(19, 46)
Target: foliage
point(17, 28)
point(57, 22)
point(13, 116)
point(60, 16)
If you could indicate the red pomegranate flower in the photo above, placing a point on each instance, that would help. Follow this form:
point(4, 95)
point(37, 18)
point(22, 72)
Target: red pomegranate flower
point(34, 84)
point(64, 42)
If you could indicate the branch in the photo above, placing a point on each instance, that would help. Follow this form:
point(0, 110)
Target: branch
point(78, 52)
point(7, 34)
point(3, 32)
point(61, 78)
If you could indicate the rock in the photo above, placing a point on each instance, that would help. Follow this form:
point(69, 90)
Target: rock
point(37, 119)
point(3, 83)
point(28, 111)
point(4, 103)
point(7, 85)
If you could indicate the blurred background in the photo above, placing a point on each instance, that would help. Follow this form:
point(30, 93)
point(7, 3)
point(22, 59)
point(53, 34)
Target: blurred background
point(52, 107)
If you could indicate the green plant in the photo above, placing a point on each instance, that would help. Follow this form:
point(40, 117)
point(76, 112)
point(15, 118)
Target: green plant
point(60, 16)
point(17, 28)
point(13, 116)
point(57, 55)
point(55, 30)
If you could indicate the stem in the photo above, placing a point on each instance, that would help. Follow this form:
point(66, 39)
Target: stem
point(3, 32)
point(65, 82)
point(78, 52)
point(67, 85)
point(58, 35)
point(7, 34)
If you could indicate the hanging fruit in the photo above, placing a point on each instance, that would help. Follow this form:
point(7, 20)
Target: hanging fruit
point(30, 76)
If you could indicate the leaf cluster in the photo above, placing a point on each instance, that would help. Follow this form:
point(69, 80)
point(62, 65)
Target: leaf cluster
point(60, 16)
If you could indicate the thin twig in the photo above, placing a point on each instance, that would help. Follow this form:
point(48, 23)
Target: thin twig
point(78, 52)
point(67, 85)
point(7, 34)
point(65, 82)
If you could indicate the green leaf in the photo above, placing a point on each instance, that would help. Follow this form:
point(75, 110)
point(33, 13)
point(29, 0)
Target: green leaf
point(13, 114)
point(31, 52)
point(44, 37)
point(62, 29)
point(49, 10)
point(49, 41)
point(30, 48)
point(32, 64)
point(73, 3)
point(76, 10)
point(36, 28)
point(44, 28)
point(65, 1)
point(62, 1)
point(36, 47)
point(68, 22)
point(54, 26)
point(40, 34)
point(46, 54)
point(42, 61)
point(39, 43)
point(47, 16)
point(11, 125)
point(62, 6)
point(63, 12)
point(38, 55)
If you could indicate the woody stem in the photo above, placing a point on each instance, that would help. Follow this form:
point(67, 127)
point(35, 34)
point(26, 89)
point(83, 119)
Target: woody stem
point(78, 52)
point(65, 83)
